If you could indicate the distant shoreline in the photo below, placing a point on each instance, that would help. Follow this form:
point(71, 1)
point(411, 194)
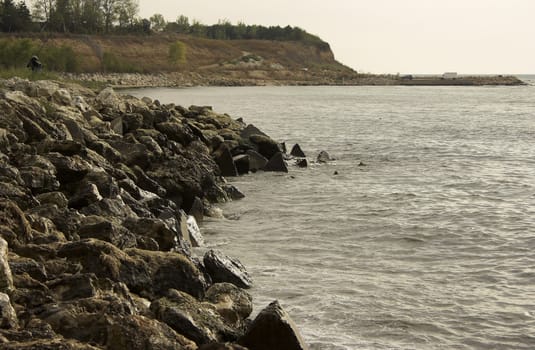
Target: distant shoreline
point(195, 79)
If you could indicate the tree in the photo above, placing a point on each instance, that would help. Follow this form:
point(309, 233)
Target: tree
point(14, 17)
point(110, 12)
point(42, 9)
point(157, 22)
point(127, 10)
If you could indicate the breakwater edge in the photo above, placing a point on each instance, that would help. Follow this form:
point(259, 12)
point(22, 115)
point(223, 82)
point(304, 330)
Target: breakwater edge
point(100, 200)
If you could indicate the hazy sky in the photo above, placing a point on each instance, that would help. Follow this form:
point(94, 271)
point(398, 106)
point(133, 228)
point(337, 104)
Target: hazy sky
point(390, 36)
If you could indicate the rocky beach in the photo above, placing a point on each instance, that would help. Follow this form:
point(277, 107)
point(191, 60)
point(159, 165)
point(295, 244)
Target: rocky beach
point(101, 197)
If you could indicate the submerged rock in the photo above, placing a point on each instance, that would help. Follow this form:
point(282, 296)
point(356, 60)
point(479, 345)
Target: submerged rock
point(323, 157)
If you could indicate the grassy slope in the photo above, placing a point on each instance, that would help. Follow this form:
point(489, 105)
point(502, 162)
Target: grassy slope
point(149, 54)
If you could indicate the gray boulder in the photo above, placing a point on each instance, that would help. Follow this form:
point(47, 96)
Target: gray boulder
point(224, 160)
point(222, 268)
point(256, 161)
point(323, 157)
point(273, 329)
point(197, 321)
point(297, 151)
point(276, 164)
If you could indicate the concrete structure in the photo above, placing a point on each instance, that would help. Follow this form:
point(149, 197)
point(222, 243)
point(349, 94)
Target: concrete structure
point(449, 75)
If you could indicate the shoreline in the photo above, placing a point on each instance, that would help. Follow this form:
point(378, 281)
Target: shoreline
point(101, 196)
point(246, 78)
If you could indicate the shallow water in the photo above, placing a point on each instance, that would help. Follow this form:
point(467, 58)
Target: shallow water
point(430, 245)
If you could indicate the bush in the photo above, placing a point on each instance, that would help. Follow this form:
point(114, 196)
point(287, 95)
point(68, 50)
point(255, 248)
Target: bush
point(112, 63)
point(177, 53)
point(16, 53)
point(59, 59)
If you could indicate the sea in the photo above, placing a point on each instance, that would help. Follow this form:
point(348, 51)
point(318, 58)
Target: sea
point(419, 235)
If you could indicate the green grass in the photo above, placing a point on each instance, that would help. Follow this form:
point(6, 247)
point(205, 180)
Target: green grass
point(26, 73)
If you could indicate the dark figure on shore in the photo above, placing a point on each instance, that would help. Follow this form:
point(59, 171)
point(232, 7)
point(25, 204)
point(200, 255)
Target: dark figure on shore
point(34, 64)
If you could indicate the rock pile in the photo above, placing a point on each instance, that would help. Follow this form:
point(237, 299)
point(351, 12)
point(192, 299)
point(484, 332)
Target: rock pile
point(99, 201)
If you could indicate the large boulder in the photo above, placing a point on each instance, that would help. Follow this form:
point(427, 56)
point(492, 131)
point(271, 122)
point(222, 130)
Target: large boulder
point(197, 321)
point(267, 147)
point(170, 271)
point(276, 164)
point(297, 151)
point(135, 332)
point(103, 229)
point(232, 303)
point(222, 268)
point(256, 161)
point(225, 162)
point(273, 329)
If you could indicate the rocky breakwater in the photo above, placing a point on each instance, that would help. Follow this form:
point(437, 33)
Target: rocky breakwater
point(100, 196)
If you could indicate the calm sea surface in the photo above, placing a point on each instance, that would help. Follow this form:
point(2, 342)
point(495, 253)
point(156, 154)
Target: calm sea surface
point(430, 245)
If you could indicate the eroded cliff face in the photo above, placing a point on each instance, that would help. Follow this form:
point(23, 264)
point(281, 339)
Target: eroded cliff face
point(100, 196)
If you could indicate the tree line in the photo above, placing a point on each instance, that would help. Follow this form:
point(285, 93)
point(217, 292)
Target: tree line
point(121, 17)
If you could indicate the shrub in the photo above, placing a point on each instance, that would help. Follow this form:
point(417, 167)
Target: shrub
point(177, 53)
point(112, 63)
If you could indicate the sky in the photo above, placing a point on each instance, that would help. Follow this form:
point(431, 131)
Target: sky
point(391, 36)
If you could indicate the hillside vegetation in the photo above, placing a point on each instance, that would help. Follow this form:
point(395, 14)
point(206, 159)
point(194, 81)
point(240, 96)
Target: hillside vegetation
point(167, 53)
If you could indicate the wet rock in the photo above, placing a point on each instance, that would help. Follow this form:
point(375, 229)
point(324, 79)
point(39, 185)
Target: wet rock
point(276, 164)
point(222, 268)
point(170, 270)
point(301, 163)
point(251, 130)
point(233, 192)
point(273, 329)
point(197, 321)
point(232, 303)
point(176, 132)
point(107, 261)
point(136, 332)
point(197, 209)
point(100, 228)
point(297, 151)
point(8, 316)
point(154, 229)
point(256, 161)
point(116, 209)
point(266, 146)
point(194, 232)
point(323, 157)
point(242, 163)
point(6, 278)
point(133, 153)
point(225, 162)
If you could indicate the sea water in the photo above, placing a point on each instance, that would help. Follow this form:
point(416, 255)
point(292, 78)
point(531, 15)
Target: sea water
point(420, 235)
